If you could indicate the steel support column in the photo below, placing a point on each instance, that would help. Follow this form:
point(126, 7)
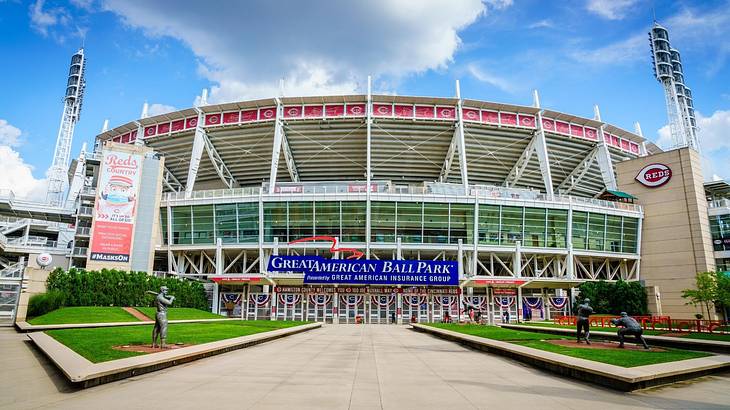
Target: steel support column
point(604, 157)
point(368, 170)
point(276, 149)
point(195, 154)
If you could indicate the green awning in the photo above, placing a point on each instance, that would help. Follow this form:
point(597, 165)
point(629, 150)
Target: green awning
point(620, 194)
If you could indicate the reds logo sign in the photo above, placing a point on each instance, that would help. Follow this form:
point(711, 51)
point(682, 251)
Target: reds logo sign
point(654, 175)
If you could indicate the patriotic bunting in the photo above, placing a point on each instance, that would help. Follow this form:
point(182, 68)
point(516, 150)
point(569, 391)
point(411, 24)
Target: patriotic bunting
point(558, 302)
point(260, 299)
point(320, 300)
point(289, 299)
point(383, 300)
point(505, 301)
point(352, 300)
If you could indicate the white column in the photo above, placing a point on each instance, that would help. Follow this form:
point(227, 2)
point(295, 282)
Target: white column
point(517, 261)
point(195, 154)
point(462, 144)
point(605, 163)
point(541, 151)
point(276, 150)
point(215, 308)
point(219, 256)
point(368, 168)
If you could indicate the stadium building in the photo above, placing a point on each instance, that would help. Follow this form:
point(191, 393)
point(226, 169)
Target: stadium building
point(369, 208)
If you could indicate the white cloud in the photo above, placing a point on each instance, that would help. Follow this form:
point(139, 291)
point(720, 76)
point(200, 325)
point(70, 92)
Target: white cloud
point(610, 9)
point(42, 20)
point(158, 109)
point(9, 135)
point(319, 47)
point(17, 174)
point(544, 23)
point(629, 50)
point(486, 77)
point(713, 133)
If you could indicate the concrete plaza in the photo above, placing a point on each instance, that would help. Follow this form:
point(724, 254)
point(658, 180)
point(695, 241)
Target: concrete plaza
point(338, 367)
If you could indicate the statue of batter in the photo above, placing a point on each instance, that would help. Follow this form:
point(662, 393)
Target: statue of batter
point(160, 329)
point(629, 326)
point(584, 312)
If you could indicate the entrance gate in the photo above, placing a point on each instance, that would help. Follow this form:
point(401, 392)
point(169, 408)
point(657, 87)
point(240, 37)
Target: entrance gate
point(382, 308)
point(258, 306)
point(231, 303)
point(320, 307)
point(11, 280)
point(445, 307)
point(351, 307)
point(415, 308)
point(290, 306)
point(504, 304)
point(479, 303)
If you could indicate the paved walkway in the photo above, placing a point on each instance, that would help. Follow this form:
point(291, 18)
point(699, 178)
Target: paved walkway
point(339, 367)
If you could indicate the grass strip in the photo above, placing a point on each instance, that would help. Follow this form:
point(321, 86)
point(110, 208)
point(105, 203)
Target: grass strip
point(83, 314)
point(614, 356)
point(180, 313)
point(97, 344)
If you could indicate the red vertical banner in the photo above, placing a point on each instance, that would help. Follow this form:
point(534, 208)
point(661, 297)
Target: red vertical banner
point(115, 208)
point(249, 115)
point(355, 110)
point(446, 113)
point(382, 110)
point(490, 117)
point(230, 117)
point(191, 122)
point(266, 114)
point(334, 110)
point(404, 111)
point(562, 127)
point(576, 130)
point(591, 134)
point(150, 131)
point(313, 111)
point(213, 119)
point(424, 111)
point(506, 118)
point(163, 128)
point(527, 121)
point(548, 125)
point(293, 111)
point(178, 125)
point(470, 114)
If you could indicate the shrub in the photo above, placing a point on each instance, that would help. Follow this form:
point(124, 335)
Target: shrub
point(43, 303)
point(110, 287)
point(614, 298)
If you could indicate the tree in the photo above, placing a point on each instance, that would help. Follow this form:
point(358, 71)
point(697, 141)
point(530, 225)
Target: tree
point(722, 297)
point(705, 292)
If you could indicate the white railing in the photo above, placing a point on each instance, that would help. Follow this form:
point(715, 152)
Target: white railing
point(80, 251)
point(14, 271)
point(720, 203)
point(86, 210)
point(83, 230)
point(386, 187)
point(88, 190)
point(3, 240)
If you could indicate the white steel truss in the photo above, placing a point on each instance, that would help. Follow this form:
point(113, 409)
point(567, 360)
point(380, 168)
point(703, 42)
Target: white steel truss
point(573, 179)
point(457, 144)
point(171, 182)
point(220, 166)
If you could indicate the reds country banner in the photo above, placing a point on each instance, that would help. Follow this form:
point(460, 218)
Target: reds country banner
point(116, 205)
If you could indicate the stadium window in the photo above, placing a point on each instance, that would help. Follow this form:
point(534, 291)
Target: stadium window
point(461, 223)
point(435, 223)
point(557, 228)
point(163, 225)
point(512, 224)
point(353, 221)
point(489, 224)
point(203, 224)
point(596, 231)
point(182, 228)
point(275, 218)
point(248, 222)
point(613, 233)
point(301, 220)
point(534, 227)
point(382, 220)
point(580, 229)
point(630, 230)
point(226, 223)
point(327, 219)
point(409, 222)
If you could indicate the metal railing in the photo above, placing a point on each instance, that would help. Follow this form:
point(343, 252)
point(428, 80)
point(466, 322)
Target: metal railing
point(88, 190)
point(416, 191)
point(14, 271)
point(86, 210)
point(80, 252)
point(720, 203)
point(83, 230)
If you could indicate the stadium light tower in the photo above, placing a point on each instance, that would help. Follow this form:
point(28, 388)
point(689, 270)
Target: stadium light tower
point(668, 71)
point(75, 85)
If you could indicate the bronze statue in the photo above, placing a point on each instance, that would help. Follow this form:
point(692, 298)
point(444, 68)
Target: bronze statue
point(584, 312)
point(160, 329)
point(629, 326)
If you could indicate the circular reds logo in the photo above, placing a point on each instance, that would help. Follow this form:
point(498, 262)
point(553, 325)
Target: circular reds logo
point(654, 175)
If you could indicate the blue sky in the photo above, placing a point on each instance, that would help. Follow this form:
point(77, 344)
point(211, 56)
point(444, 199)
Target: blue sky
point(576, 53)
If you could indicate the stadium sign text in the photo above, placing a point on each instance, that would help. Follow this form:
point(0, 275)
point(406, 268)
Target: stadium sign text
point(654, 175)
point(318, 270)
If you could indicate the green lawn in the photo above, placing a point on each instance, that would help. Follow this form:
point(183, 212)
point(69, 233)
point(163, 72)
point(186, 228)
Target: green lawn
point(614, 356)
point(180, 313)
point(97, 344)
point(83, 314)
point(709, 336)
point(689, 335)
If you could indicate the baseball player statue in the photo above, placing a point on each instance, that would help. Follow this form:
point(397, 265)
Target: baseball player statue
point(584, 312)
point(162, 303)
point(629, 326)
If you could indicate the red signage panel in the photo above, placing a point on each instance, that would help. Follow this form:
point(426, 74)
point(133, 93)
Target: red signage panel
point(654, 175)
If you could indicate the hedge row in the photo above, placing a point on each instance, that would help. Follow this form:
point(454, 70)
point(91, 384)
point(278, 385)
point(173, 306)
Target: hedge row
point(614, 298)
point(109, 287)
